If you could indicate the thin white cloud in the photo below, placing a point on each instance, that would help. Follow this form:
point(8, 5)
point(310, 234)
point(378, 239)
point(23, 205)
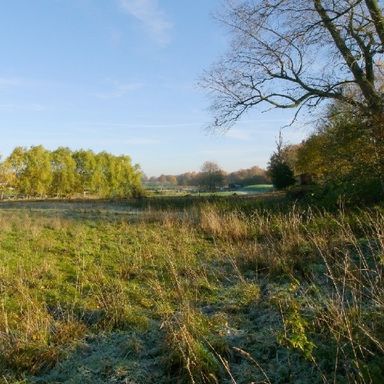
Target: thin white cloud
point(153, 18)
point(118, 90)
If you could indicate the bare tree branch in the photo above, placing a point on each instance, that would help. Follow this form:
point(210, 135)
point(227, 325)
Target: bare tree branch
point(296, 54)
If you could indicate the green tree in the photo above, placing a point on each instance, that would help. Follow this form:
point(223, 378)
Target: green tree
point(38, 172)
point(102, 180)
point(130, 178)
point(32, 170)
point(16, 163)
point(279, 169)
point(281, 174)
point(7, 178)
point(115, 176)
point(344, 156)
point(63, 172)
point(85, 170)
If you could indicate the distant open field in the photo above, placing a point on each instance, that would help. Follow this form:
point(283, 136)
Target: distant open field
point(215, 290)
point(248, 190)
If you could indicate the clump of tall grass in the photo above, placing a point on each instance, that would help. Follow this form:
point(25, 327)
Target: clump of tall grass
point(31, 339)
point(352, 310)
point(224, 225)
point(197, 344)
point(335, 314)
point(337, 264)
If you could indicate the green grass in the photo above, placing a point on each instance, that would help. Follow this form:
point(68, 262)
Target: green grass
point(201, 290)
point(249, 190)
point(257, 188)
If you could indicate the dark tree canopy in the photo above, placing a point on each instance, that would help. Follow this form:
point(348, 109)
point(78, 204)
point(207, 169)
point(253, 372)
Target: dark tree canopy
point(281, 175)
point(280, 169)
point(296, 53)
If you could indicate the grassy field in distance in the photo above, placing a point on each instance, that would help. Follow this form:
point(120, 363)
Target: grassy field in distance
point(176, 191)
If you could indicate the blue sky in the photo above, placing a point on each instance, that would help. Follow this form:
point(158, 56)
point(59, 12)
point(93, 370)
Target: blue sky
point(121, 76)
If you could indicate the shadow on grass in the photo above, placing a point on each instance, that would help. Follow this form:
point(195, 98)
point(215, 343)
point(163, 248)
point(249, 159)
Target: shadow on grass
point(118, 357)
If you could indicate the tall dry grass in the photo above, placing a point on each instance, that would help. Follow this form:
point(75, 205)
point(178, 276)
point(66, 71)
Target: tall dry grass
point(197, 275)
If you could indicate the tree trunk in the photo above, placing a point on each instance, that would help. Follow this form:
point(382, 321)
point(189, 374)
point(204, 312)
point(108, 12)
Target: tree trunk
point(377, 17)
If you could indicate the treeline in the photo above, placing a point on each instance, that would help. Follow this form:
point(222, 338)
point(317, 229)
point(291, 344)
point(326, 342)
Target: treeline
point(38, 172)
point(343, 159)
point(249, 176)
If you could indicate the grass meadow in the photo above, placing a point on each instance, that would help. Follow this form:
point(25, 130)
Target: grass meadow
point(181, 290)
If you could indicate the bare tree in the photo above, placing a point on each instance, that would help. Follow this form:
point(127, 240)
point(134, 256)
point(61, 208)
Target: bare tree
point(296, 53)
point(211, 176)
